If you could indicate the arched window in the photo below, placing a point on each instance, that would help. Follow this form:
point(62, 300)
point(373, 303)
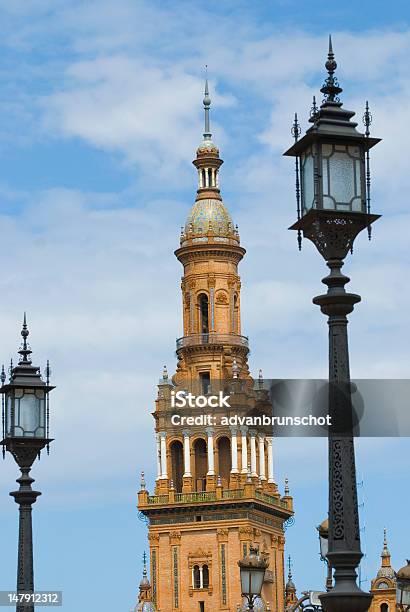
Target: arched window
point(210, 181)
point(235, 314)
point(225, 460)
point(203, 314)
point(196, 577)
point(201, 464)
point(384, 607)
point(177, 464)
point(205, 576)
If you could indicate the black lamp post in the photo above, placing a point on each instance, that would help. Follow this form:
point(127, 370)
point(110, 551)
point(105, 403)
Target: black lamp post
point(252, 570)
point(25, 434)
point(333, 206)
point(403, 588)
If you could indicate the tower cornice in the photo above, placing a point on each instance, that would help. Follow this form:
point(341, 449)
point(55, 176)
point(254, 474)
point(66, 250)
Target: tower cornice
point(192, 250)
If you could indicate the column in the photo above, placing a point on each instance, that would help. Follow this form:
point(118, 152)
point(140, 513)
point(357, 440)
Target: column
point(212, 300)
point(206, 178)
point(211, 467)
point(234, 451)
point(271, 477)
point(164, 472)
point(262, 470)
point(158, 456)
point(244, 451)
point(193, 579)
point(187, 453)
point(201, 577)
point(253, 453)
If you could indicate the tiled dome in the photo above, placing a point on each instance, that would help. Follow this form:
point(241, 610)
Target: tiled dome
point(209, 210)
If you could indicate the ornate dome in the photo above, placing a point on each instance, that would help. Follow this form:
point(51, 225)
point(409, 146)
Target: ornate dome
point(209, 213)
point(386, 572)
point(207, 147)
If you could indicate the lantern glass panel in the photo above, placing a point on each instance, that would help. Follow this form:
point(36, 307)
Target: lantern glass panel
point(29, 413)
point(324, 546)
point(342, 179)
point(257, 581)
point(403, 595)
point(9, 414)
point(245, 581)
point(308, 180)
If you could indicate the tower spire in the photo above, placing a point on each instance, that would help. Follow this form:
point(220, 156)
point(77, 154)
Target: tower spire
point(385, 552)
point(290, 589)
point(386, 570)
point(207, 104)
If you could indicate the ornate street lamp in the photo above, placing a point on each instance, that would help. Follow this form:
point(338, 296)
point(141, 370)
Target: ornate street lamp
point(323, 531)
point(403, 587)
point(25, 434)
point(333, 206)
point(252, 570)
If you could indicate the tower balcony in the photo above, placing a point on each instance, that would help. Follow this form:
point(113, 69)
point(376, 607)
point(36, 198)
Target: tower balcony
point(212, 338)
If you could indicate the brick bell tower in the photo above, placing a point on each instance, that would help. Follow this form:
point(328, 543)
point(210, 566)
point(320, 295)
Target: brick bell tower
point(215, 492)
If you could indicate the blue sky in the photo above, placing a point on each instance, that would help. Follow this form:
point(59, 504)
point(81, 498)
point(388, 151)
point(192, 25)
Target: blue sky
point(101, 113)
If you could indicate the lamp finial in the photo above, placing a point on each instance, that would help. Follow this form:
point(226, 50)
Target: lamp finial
point(25, 350)
point(331, 87)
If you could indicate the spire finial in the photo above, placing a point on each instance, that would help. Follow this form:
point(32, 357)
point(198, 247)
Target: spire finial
point(330, 46)
point(314, 109)
point(47, 371)
point(289, 568)
point(286, 486)
point(296, 129)
point(386, 552)
point(207, 104)
point(331, 87)
point(25, 351)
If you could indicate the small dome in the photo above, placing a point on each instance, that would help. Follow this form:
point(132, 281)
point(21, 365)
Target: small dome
point(290, 585)
point(144, 584)
point(209, 211)
point(386, 572)
point(206, 147)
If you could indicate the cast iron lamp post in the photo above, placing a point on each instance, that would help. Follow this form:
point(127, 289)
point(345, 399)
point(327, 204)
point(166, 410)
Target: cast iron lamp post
point(252, 570)
point(403, 588)
point(323, 531)
point(25, 434)
point(333, 206)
